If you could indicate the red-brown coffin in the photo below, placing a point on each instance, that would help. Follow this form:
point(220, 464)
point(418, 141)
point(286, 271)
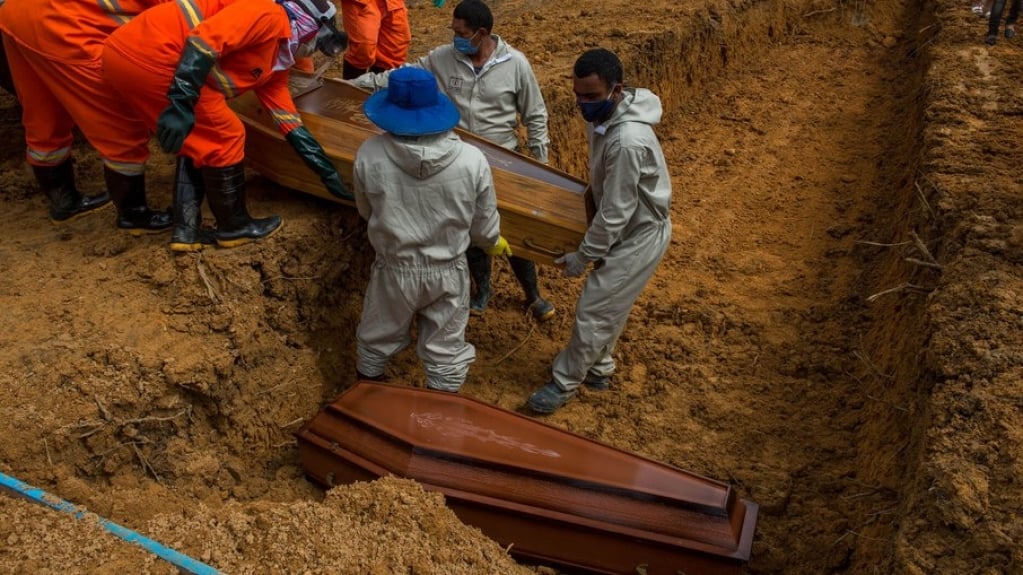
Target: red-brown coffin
point(554, 496)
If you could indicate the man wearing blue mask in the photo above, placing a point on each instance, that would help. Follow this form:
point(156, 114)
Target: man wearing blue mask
point(629, 232)
point(493, 87)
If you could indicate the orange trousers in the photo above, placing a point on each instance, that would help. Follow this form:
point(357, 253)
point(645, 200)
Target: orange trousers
point(307, 65)
point(218, 138)
point(379, 35)
point(56, 96)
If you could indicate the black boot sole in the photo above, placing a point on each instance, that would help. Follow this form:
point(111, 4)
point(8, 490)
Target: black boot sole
point(236, 242)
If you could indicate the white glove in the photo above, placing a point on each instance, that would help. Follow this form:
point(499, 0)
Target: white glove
point(574, 264)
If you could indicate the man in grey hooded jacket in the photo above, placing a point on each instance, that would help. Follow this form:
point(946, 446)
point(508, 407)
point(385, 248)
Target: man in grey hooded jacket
point(426, 195)
point(494, 88)
point(629, 233)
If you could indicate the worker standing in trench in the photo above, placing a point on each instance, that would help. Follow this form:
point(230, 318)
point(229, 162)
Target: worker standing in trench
point(193, 55)
point(493, 87)
point(54, 50)
point(426, 195)
point(629, 233)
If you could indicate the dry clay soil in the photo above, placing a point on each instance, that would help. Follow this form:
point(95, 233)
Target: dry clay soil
point(835, 330)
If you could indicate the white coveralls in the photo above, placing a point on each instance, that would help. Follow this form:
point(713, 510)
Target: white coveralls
point(425, 199)
point(491, 102)
point(629, 234)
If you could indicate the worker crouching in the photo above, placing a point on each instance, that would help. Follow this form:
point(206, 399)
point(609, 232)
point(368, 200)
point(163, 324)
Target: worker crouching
point(179, 62)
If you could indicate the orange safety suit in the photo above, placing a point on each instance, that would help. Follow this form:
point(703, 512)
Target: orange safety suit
point(140, 59)
point(54, 49)
point(378, 33)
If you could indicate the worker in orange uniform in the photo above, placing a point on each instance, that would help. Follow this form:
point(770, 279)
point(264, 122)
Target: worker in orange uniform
point(378, 33)
point(178, 63)
point(54, 49)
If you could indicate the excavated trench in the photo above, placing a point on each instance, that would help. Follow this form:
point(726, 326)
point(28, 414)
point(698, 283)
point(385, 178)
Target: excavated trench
point(781, 347)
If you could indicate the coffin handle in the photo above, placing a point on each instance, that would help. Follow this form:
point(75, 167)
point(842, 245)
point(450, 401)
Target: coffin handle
point(553, 252)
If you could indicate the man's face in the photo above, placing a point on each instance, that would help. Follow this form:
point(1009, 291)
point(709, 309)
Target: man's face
point(590, 89)
point(461, 29)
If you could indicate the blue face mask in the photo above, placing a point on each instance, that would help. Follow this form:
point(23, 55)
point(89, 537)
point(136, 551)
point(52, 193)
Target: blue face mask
point(596, 111)
point(464, 45)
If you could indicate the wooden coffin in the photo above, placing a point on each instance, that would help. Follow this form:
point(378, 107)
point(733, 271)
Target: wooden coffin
point(542, 209)
point(553, 496)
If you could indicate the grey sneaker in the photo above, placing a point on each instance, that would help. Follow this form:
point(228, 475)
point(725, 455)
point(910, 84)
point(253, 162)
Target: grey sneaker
point(549, 398)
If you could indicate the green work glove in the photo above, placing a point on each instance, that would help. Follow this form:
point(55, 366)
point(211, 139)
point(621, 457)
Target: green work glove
point(501, 248)
point(313, 155)
point(177, 120)
point(438, 3)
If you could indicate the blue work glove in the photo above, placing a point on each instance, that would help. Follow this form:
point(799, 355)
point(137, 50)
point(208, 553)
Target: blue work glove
point(574, 264)
point(438, 3)
point(177, 120)
point(501, 248)
point(313, 155)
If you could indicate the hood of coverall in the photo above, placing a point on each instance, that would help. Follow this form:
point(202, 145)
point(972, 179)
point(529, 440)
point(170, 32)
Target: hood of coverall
point(637, 105)
point(424, 156)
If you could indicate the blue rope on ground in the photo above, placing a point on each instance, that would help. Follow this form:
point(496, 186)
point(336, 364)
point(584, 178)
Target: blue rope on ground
point(183, 562)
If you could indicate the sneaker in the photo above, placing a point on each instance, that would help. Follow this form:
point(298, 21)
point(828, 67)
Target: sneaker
point(991, 39)
point(1010, 31)
point(597, 382)
point(359, 376)
point(549, 398)
point(978, 9)
point(542, 309)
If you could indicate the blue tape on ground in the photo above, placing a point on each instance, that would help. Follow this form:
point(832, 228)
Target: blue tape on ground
point(183, 562)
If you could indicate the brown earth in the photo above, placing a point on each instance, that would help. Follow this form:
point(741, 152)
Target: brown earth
point(835, 329)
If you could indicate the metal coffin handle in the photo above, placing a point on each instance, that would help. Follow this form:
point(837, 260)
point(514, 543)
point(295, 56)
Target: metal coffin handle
point(553, 252)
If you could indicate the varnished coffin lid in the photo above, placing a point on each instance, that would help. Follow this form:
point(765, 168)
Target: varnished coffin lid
point(449, 427)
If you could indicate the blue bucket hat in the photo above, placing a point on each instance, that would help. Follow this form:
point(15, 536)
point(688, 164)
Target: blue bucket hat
point(411, 105)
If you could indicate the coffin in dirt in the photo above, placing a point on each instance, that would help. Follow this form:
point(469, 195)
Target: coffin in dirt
point(543, 213)
point(552, 495)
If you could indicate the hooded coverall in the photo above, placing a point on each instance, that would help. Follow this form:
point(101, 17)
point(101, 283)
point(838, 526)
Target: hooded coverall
point(141, 57)
point(54, 48)
point(378, 33)
point(425, 201)
point(629, 233)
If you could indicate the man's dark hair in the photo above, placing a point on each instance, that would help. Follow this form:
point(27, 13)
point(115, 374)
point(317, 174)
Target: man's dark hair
point(476, 14)
point(601, 62)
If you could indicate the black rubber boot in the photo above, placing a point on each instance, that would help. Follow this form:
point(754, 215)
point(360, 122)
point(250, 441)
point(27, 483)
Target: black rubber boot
point(189, 191)
point(525, 272)
point(225, 192)
point(66, 202)
point(350, 72)
point(129, 196)
point(479, 271)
